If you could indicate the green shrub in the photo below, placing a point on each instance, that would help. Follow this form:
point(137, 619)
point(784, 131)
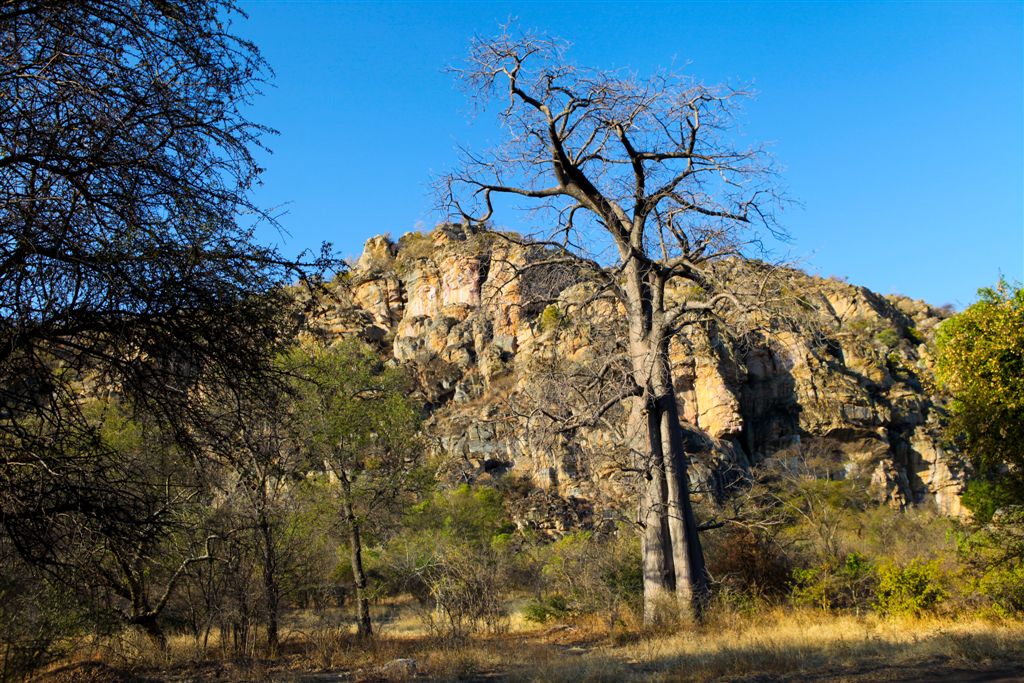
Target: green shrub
point(912, 589)
point(594, 574)
point(551, 318)
point(811, 588)
point(473, 514)
point(413, 246)
point(914, 335)
point(888, 337)
point(545, 609)
point(457, 555)
point(39, 621)
point(1003, 588)
point(994, 554)
point(984, 497)
point(848, 584)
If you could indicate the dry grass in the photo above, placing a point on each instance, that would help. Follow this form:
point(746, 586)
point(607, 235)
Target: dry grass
point(772, 645)
point(781, 642)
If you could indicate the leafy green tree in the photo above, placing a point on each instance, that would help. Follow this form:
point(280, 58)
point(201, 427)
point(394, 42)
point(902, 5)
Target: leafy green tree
point(354, 417)
point(981, 362)
point(458, 555)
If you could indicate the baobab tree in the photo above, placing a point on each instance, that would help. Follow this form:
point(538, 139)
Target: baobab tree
point(646, 191)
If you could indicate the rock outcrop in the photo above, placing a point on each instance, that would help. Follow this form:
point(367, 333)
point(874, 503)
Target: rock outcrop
point(498, 339)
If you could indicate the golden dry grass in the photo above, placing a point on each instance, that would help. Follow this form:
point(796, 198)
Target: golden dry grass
point(786, 641)
point(770, 645)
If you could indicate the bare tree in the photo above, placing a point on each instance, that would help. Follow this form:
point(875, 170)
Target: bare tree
point(126, 258)
point(648, 194)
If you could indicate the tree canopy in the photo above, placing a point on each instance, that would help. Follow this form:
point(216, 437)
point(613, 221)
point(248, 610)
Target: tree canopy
point(981, 361)
point(128, 262)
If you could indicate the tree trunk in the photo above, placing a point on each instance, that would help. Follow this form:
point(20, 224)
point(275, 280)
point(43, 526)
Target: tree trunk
point(149, 625)
point(659, 576)
point(672, 556)
point(271, 589)
point(363, 623)
point(687, 554)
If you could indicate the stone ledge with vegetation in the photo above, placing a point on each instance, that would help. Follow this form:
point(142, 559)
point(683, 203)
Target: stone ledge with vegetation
point(854, 383)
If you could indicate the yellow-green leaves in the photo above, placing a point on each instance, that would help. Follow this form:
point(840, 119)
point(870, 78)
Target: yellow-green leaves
point(981, 362)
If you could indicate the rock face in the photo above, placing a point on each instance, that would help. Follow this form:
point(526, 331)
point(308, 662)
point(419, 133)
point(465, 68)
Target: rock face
point(500, 340)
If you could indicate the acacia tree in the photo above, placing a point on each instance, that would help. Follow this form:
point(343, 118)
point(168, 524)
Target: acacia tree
point(127, 259)
point(354, 417)
point(261, 485)
point(647, 190)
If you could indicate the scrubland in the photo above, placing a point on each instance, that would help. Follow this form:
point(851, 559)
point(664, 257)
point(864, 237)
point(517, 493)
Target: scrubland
point(815, 582)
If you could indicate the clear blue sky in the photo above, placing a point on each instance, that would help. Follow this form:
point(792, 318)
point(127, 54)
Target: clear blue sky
point(900, 127)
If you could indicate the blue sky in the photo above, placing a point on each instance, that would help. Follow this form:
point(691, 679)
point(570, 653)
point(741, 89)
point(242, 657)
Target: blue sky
point(899, 126)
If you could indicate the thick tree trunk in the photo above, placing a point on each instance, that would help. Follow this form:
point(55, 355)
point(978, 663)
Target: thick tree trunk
point(672, 556)
point(149, 625)
point(687, 554)
point(658, 573)
point(363, 623)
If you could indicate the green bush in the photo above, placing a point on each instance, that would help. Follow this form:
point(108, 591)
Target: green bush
point(912, 589)
point(888, 337)
point(551, 318)
point(413, 246)
point(1003, 588)
point(848, 584)
point(457, 556)
point(811, 588)
point(545, 609)
point(474, 514)
point(984, 497)
point(594, 574)
point(39, 621)
point(914, 335)
point(994, 555)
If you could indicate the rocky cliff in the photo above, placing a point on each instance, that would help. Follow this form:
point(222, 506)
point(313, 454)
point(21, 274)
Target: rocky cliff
point(502, 344)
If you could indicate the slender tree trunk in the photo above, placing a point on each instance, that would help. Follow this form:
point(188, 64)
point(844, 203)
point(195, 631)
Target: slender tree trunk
point(363, 623)
point(272, 590)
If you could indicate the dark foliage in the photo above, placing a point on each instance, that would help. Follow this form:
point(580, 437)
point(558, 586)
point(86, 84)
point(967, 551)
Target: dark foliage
point(126, 264)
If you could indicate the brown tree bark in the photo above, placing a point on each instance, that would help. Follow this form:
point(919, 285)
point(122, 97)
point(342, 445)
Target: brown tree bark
point(364, 624)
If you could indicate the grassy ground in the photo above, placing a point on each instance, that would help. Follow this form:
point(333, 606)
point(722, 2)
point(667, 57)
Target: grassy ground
point(774, 645)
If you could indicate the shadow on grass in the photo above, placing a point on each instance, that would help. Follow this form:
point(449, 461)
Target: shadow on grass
point(767, 654)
